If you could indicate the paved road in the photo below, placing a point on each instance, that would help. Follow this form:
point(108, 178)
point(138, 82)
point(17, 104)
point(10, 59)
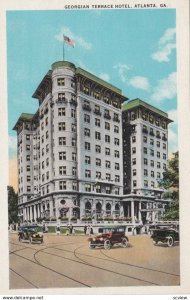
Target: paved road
point(66, 261)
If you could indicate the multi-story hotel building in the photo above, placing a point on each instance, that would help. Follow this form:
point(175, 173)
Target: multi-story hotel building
point(145, 154)
point(70, 152)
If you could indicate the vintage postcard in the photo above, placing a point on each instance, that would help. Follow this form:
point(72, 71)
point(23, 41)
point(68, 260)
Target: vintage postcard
point(95, 124)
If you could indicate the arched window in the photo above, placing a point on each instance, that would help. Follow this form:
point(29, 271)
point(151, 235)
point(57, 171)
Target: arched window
point(117, 210)
point(88, 208)
point(99, 208)
point(108, 209)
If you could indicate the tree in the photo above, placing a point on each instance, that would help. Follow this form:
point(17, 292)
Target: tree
point(170, 182)
point(12, 205)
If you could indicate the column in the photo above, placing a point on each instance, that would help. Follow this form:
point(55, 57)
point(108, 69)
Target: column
point(139, 214)
point(132, 211)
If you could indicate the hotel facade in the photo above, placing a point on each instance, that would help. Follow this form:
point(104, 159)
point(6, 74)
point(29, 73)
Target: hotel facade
point(83, 152)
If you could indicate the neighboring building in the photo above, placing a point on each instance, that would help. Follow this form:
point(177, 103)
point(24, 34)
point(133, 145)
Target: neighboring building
point(145, 154)
point(70, 152)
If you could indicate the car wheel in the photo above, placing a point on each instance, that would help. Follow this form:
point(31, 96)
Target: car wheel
point(170, 241)
point(91, 246)
point(124, 242)
point(107, 245)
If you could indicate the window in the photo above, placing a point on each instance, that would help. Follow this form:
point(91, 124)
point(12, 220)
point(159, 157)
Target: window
point(27, 168)
point(152, 174)
point(164, 146)
point(144, 139)
point(42, 164)
point(97, 122)
point(27, 147)
point(61, 111)
point(152, 184)
point(47, 162)
point(108, 164)
point(86, 90)
point(164, 166)
point(28, 189)
point(46, 121)
point(74, 142)
point(62, 155)
point(107, 151)
point(62, 140)
point(158, 174)
point(151, 131)
point(117, 178)
point(87, 173)
point(98, 149)
point(73, 113)
point(134, 172)
point(97, 135)
point(133, 139)
point(158, 154)
point(133, 150)
point(108, 176)
point(87, 187)
point(74, 156)
point(27, 137)
point(134, 183)
point(74, 171)
point(47, 134)
point(87, 160)
point(28, 178)
point(116, 153)
point(86, 118)
point(42, 125)
point(107, 138)
point(134, 161)
point(60, 81)
point(98, 162)
point(87, 146)
point(61, 96)
point(28, 157)
point(43, 177)
point(164, 156)
point(47, 175)
point(116, 141)
point(145, 172)
point(47, 148)
point(62, 185)
point(61, 126)
point(145, 150)
point(152, 163)
point(151, 152)
point(157, 123)
point(107, 126)
point(97, 109)
point(152, 142)
point(145, 161)
point(98, 188)
point(116, 166)
point(116, 117)
point(158, 144)
point(108, 190)
point(87, 132)
point(62, 170)
point(73, 128)
point(145, 130)
point(145, 183)
point(158, 165)
point(98, 175)
point(116, 129)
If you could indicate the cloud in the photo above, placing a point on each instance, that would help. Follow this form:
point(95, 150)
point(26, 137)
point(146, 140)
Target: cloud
point(104, 76)
point(78, 39)
point(122, 71)
point(165, 89)
point(139, 82)
point(165, 46)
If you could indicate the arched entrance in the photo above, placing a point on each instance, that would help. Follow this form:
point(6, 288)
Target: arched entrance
point(88, 208)
point(108, 209)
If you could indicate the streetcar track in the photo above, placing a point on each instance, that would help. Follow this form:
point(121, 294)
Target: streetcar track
point(23, 278)
point(36, 262)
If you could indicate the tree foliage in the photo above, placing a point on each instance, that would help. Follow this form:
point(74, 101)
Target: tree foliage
point(170, 182)
point(12, 205)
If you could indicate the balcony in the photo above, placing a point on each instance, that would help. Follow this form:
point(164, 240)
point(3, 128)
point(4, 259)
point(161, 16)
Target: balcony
point(73, 102)
point(61, 101)
point(107, 116)
point(116, 119)
point(164, 139)
point(86, 107)
point(97, 112)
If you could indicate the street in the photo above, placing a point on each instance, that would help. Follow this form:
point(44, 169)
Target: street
point(67, 262)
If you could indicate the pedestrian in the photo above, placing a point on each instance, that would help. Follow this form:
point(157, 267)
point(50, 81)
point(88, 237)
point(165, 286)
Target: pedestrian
point(88, 230)
point(71, 229)
point(58, 229)
point(85, 229)
point(91, 230)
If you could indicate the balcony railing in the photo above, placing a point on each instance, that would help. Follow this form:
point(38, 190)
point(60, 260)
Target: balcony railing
point(97, 112)
point(73, 102)
point(116, 119)
point(107, 116)
point(86, 107)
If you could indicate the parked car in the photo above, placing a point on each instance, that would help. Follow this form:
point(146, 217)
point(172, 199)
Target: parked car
point(31, 233)
point(109, 236)
point(165, 235)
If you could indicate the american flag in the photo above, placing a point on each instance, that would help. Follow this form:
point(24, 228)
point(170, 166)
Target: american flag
point(68, 41)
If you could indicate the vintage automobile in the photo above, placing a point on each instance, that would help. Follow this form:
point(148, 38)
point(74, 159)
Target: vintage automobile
point(165, 235)
point(109, 236)
point(31, 233)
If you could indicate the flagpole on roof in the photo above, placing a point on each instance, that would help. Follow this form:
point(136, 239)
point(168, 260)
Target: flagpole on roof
point(63, 49)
